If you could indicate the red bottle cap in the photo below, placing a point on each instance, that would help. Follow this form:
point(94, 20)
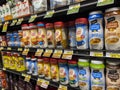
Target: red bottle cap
point(59, 24)
point(49, 25)
point(71, 23)
point(81, 21)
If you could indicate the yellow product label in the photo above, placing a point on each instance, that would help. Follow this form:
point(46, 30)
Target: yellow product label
point(54, 72)
point(12, 62)
point(20, 64)
point(40, 68)
point(57, 53)
point(6, 61)
point(47, 70)
point(58, 36)
point(34, 37)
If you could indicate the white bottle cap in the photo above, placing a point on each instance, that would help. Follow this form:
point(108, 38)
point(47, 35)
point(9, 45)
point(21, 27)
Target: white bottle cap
point(83, 60)
point(96, 62)
point(95, 12)
point(112, 9)
point(113, 63)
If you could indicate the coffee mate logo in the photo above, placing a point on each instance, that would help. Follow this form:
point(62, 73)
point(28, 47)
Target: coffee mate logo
point(72, 75)
point(62, 72)
point(78, 34)
point(49, 34)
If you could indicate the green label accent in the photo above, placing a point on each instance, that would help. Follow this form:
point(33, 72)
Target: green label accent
point(32, 18)
point(49, 14)
point(104, 2)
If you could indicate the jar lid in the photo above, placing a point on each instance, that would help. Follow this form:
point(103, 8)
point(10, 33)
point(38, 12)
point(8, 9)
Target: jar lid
point(24, 26)
point(112, 9)
point(40, 24)
point(27, 57)
point(95, 12)
point(72, 62)
point(58, 24)
point(71, 23)
point(83, 60)
point(32, 25)
point(49, 25)
point(81, 21)
point(62, 61)
point(53, 61)
point(96, 62)
point(46, 59)
point(113, 63)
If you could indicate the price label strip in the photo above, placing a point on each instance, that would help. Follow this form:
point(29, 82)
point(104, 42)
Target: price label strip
point(67, 54)
point(25, 52)
point(48, 52)
point(39, 81)
point(19, 21)
point(113, 55)
point(96, 54)
point(27, 78)
point(32, 18)
point(45, 84)
point(73, 9)
point(104, 2)
point(13, 22)
point(20, 49)
point(9, 48)
point(57, 53)
point(62, 87)
point(49, 14)
point(39, 52)
point(5, 26)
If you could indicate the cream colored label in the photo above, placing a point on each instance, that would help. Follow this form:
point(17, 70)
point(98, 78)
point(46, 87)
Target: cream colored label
point(34, 37)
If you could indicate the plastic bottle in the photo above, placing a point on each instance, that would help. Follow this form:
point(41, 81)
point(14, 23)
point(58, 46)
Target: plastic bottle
point(82, 33)
point(84, 74)
point(97, 75)
point(28, 65)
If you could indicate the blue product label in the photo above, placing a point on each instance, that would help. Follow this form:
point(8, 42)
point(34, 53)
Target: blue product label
point(96, 74)
point(34, 67)
point(95, 16)
point(95, 27)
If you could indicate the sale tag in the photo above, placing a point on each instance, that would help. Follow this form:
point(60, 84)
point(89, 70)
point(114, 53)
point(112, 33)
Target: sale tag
point(32, 18)
point(62, 87)
point(8, 48)
point(13, 23)
point(73, 9)
point(96, 54)
point(27, 78)
point(49, 14)
point(45, 84)
point(113, 55)
point(104, 2)
point(25, 52)
point(67, 54)
point(5, 26)
point(48, 52)
point(19, 21)
point(20, 49)
point(57, 53)
point(39, 52)
point(39, 81)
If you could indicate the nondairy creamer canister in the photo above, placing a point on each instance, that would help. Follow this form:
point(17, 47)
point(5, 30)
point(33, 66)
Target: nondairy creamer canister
point(96, 30)
point(112, 28)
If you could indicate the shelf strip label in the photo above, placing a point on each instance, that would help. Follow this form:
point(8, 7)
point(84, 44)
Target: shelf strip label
point(13, 22)
point(113, 55)
point(104, 2)
point(32, 18)
point(62, 87)
point(48, 52)
point(39, 52)
point(49, 14)
point(57, 53)
point(96, 53)
point(67, 54)
point(19, 21)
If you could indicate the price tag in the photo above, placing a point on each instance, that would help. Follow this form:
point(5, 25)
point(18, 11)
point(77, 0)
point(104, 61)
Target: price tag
point(20, 49)
point(67, 54)
point(104, 2)
point(23, 74)
point(73, 9)
point(19, 21)
point(57, 53)
point(62, 87)
point(13, 23)
point(27, 78)
point(45, 84)
point(25, 52)
point(113, 55)
point(49, 14)
point(4, 69)
point(39, 81)
point(1, 48)
point(39, 52)
point(48, 52)
point(96, 54)
point(32, 18)
point(5, 26)
point(9, 48)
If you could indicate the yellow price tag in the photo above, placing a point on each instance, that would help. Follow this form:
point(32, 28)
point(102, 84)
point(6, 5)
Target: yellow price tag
point(104, 2)
point(20, 49)
point(62, 87)
point(48, 52)
point(96, 54)
point(57, 53)
point(113, 55)
point(23, 74)
point(32, 18)
point(45, 84)
point(39, 81)
point(67, 54)
point(25, 52)
point(49, 14)
point(5, 26)
point(39, 52)
point(19, 21)
point(9, 48)
point(27, 78)
point(13, 23)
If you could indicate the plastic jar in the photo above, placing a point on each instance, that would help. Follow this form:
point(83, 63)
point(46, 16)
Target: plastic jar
point(63, 72)
point(42, 35)
point(97, 75)
point(72, 34)
point(47, 72)
point(33, 34)
point(40, 66)
point(60, 35)
point(113, 75)
point(54, 70)
point(26, 35)
point(73, 73)
point(96, 30)
point(82, 33)
point(28, 65)
point(112, 28)
point(84, 74)
point(50, 35)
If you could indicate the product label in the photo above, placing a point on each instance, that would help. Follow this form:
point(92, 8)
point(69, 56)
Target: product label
point(54, 73)
point(47, 71)
point(34, 37)
point(40, 69)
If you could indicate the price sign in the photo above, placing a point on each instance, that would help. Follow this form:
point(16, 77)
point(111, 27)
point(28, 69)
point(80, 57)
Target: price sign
point(39, 52)
point(57, 53)
point(113, 55)
point(9, 48)
point(104, 2)
point(32, 18)
point(5, 26)
point(13, 23)
point(96, 54)
point(27, 78)
point(19, 21)
point(1, 48)
point(48, 52)
point(39, 81)
point(4, 69)
point(62, 87)
point(20, 49)
point(67, 54)
point(49, 14)
point(45, 84)
point(25, 52)
point(73, 9)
